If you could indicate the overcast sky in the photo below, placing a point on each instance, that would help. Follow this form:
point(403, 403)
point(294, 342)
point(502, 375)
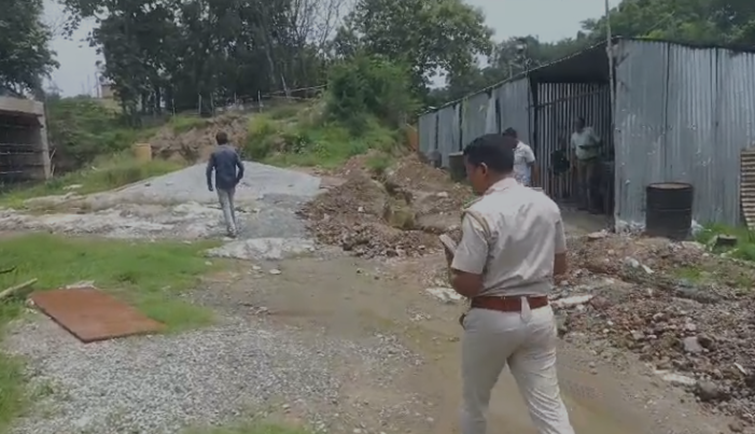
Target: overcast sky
point(548, 19)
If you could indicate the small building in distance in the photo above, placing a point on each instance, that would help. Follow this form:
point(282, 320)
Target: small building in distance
point(24, 150)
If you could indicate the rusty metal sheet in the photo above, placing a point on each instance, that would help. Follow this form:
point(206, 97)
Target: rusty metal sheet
point(92, 315)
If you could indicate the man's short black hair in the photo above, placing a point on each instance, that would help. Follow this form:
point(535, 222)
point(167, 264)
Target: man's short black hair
point(510, 132)
point(221, 137)
point(494, 150)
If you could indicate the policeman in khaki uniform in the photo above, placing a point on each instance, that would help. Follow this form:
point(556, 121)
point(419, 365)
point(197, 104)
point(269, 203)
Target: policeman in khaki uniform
point(512, 245)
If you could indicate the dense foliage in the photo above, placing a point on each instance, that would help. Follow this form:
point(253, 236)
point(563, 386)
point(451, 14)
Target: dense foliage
point(82, 129)
point(25, 56)
point(364, 86)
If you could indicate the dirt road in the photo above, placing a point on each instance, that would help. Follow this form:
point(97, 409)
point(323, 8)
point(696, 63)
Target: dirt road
point(349, 297)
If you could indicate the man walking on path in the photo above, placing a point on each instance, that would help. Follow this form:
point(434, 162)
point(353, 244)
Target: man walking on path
point(512, 245)
point(229, 169)
point(525, 170)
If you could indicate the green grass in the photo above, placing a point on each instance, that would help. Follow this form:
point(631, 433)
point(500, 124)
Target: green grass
point(151, 276)
point(251, 429)
point(148, 274)
point(691, 274)
point(745, 246)
point(13, 398)
point(379, 163)
point(104, 174)
point(183, 123)
point(299, 142)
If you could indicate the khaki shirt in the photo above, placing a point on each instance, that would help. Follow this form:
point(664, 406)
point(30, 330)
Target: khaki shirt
point(515, 256)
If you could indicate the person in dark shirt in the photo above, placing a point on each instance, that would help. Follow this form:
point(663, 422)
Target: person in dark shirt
point(229, 170)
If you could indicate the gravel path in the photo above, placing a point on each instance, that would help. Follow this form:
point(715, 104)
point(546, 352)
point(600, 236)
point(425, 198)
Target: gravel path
point(179, 206)
point(190, 185)
point(160, 384)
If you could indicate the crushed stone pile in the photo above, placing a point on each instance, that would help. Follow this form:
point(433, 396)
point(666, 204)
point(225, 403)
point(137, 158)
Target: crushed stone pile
point(688, 313)
point(356, 216)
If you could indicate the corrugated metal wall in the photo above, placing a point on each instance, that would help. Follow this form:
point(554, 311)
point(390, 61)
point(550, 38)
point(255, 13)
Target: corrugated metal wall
point(683, 114)
point(428, 132)
point(474, 116)
point(514, 101)
point(449, 133)
point(485, 112)
point(559, 106)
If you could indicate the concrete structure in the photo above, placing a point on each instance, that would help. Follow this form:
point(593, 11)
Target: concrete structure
point(24, 150)
point(681, 113)
point(106, 91)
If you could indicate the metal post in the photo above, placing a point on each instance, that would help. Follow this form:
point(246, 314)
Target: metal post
point(612, 94)
point(609, 51)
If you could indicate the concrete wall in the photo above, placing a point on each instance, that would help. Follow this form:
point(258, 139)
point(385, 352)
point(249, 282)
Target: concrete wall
point(24, 149)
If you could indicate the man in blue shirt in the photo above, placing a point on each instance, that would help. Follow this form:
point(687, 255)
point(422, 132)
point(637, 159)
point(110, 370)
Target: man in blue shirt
point(229, 169)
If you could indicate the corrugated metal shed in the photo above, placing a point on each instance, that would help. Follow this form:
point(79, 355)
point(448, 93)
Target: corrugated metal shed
point(474, 117)
point(427, 128)
point(448, 132)
point(559, 106)
point(683, 114)
point(514, 101)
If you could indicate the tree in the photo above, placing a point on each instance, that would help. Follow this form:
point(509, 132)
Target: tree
point(25, 56)
point(431, 36)
point(175, 53)
point(691, 21)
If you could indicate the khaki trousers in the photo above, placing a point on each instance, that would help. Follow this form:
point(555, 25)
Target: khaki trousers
point(526, 341)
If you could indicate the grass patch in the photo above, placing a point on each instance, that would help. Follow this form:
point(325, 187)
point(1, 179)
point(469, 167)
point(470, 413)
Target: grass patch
point(184, 123)
point(104, 174)
point(13, 398)
point(150, 275)
point(293, 141)
point(744, 248)
point(690, 274)
point(379, 163)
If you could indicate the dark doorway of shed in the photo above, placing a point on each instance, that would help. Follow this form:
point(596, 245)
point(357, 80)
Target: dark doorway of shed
point(21, 149)
point(565, 91)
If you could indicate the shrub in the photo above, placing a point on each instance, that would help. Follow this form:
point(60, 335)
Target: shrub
point(364, 86)
point(81, 129)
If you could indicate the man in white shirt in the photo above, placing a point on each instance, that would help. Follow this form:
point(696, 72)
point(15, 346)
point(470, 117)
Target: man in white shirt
point(512, 245)
point(585, 147)
point(525, 171)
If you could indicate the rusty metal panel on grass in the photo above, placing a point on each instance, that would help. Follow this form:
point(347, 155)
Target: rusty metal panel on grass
point(92, 315)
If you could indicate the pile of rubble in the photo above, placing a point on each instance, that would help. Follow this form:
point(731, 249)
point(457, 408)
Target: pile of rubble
point(687, 312)
point(361, 217)
point(399, 212)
